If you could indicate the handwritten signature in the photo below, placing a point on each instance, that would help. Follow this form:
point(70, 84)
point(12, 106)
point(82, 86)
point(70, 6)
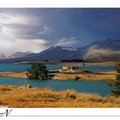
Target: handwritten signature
point(5, 113)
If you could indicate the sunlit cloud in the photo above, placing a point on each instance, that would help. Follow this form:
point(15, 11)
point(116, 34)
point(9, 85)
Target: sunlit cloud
point(16, 30)
point(23, 45)
point(13, 19)
point(66, 42)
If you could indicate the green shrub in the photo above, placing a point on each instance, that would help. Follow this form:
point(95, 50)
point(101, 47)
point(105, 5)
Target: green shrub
point(37, 71)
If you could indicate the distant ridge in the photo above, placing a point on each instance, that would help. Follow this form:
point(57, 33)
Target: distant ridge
point(99, 50)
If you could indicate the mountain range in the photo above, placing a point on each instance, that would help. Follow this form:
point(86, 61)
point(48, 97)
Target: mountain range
point(15, 55)
point(99, 50)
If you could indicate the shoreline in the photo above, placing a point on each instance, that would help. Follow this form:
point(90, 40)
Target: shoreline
point(97, 63)
point(106, 63)
point(98, 76)
point(102, 63)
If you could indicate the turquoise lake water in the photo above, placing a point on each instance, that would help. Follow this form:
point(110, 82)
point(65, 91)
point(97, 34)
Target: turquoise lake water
point(24, 67)
point(100, 88)
point(97, 67)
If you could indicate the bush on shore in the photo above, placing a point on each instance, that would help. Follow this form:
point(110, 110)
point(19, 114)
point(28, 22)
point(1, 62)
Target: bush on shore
point(37, 71)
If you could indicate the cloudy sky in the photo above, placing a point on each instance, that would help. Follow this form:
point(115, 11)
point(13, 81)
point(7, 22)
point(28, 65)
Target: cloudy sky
point(35, 29)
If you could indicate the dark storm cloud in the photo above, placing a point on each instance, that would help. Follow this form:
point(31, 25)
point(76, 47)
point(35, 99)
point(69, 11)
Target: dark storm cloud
point(85, 25)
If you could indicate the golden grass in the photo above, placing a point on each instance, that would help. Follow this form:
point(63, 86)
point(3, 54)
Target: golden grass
point(13, 74)
point(13, 96)
point(98, 76)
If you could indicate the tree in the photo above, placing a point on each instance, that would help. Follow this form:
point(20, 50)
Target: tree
point(116, 84)
point(37, 71)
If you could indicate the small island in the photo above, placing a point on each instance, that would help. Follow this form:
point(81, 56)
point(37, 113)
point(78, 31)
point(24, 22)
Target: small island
point(70, 73)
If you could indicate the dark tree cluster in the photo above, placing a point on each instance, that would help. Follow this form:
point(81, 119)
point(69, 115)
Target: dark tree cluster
point(37, 71)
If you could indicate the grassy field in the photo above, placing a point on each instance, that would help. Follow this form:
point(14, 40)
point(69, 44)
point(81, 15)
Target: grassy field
point(13, 74)
point(13, 96)
point(85, 77)
point(98, 76)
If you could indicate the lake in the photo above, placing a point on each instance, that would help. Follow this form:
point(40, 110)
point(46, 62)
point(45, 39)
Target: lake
point(100, 88)
point(97, 68)
point(24, 67)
